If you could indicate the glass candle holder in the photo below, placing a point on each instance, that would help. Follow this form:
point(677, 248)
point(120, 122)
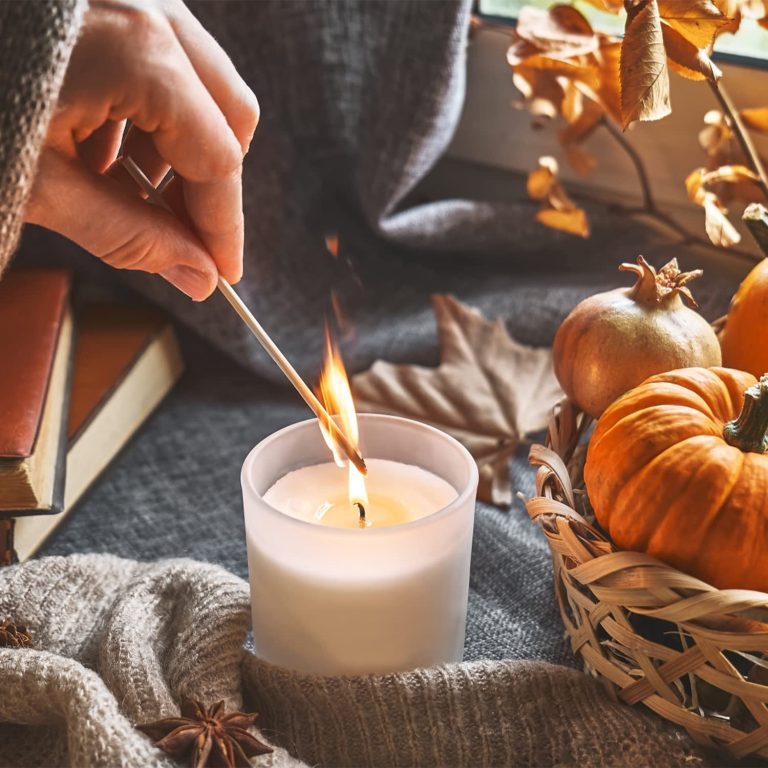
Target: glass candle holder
point(334, 601)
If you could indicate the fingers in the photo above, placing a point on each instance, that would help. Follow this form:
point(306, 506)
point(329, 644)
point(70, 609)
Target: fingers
point(236, 100)
point(100, 149)
point(192, 135)
point(124, 231)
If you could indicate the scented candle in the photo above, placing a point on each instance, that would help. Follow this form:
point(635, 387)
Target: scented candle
point(337, 589)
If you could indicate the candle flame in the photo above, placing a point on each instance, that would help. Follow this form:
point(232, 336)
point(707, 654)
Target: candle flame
point(336, 395)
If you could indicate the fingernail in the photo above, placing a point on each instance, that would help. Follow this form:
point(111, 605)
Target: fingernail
point(195, 284)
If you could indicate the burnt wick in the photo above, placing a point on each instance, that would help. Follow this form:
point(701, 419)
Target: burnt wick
point(361, 510)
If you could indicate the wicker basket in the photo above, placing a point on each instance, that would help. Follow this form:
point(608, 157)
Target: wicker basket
point(695, 655)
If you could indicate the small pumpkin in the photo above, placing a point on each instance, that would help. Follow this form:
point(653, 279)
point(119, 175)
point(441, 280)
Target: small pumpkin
point(613, 341)
point(745, 336)
point(677, 468)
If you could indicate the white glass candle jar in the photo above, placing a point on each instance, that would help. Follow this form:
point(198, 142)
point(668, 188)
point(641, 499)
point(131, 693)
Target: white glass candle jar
point(336, 601)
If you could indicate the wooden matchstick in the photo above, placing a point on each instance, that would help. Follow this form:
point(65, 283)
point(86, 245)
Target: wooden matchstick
point(261, 335)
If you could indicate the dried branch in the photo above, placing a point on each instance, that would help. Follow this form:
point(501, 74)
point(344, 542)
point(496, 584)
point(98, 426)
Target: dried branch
point(740, 131)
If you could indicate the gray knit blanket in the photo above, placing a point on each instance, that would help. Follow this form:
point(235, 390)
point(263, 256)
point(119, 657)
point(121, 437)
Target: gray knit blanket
point(359, 100)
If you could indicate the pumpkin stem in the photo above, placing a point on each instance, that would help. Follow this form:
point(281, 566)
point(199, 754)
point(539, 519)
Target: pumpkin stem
point(655, 287)
point(749, 431)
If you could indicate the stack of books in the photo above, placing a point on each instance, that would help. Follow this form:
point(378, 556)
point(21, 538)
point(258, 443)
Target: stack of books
point(76, 386)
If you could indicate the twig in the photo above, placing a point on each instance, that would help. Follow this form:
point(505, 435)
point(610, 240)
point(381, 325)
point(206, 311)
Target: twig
point(649, 207)
point(740, 131)
point(648, 202)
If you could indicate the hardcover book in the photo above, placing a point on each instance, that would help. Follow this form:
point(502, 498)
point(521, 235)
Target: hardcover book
point(127, 359)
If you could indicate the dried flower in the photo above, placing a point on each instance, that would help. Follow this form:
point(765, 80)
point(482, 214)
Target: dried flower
point(204, 736)
point(14, 635)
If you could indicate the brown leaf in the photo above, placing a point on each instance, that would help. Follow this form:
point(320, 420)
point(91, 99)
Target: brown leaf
point(582, 128)
point(698, 21)
point(719, 229)
point(716, 139)
point(541, 90)
point(644, 75)
point(756, 118)
point(560, 32)
point(489, 391)
point(686, 59)
point(582, 161)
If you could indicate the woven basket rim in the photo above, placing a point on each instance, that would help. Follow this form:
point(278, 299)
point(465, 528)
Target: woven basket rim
point(709, 672)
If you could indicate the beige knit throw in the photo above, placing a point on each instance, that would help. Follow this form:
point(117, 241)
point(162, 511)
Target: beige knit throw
point(118, 642)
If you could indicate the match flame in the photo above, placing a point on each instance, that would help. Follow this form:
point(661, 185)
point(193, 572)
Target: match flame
point(336, 396)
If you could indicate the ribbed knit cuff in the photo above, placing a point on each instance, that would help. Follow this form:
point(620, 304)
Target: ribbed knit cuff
point(473, 714)
point(37, 40)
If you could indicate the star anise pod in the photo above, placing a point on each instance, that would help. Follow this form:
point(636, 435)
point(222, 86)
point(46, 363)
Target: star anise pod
point(207, 736)
point(13, 635)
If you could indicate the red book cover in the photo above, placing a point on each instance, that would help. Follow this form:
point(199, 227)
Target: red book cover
point(32, 305)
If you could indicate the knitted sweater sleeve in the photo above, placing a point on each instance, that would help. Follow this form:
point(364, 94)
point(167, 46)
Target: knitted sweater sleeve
point(36, 40)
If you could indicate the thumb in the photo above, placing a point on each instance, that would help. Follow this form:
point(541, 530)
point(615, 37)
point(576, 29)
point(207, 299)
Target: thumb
point(121, 229)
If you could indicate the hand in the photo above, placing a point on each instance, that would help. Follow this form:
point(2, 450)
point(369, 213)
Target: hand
point(152, 63)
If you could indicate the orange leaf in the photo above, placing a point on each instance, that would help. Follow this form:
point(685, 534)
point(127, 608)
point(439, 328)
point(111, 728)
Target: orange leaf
point(643, 66)
point(698, 21)
point(609, 91)
point(756, 118)
point(609, 6)
point(558, 211)
point(541, 179)
point(581, 128)
point(686, 59)
point(573, 222)
point(540, 88)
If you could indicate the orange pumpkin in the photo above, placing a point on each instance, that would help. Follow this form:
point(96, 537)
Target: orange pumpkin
point(676, 468)
point(745, 337)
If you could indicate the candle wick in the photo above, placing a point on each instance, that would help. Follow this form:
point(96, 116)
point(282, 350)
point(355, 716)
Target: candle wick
point(361, 510)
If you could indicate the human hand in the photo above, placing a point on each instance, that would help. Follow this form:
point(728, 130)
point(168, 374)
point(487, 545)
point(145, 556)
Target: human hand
point(152, 63)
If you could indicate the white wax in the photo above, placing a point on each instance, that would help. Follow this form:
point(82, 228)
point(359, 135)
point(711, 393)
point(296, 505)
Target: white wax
point(397, 493)
point(330, 598)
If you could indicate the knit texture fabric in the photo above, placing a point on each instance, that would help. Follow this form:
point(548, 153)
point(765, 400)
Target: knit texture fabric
point(37, 39)
point(118, 643)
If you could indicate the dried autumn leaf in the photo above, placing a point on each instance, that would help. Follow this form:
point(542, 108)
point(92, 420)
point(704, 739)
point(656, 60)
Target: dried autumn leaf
point(756, 118)
point(698, 21)
point(643, 66)
point(609, 6)
point(719, 229)
point(560, 32)
point(573, 221)
point(541, 90)
point(716, 139)
point(541, 180)
point(686, 59)
point(489, 391)
point(609, 69)
point(558, 211)
point(580, 160)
